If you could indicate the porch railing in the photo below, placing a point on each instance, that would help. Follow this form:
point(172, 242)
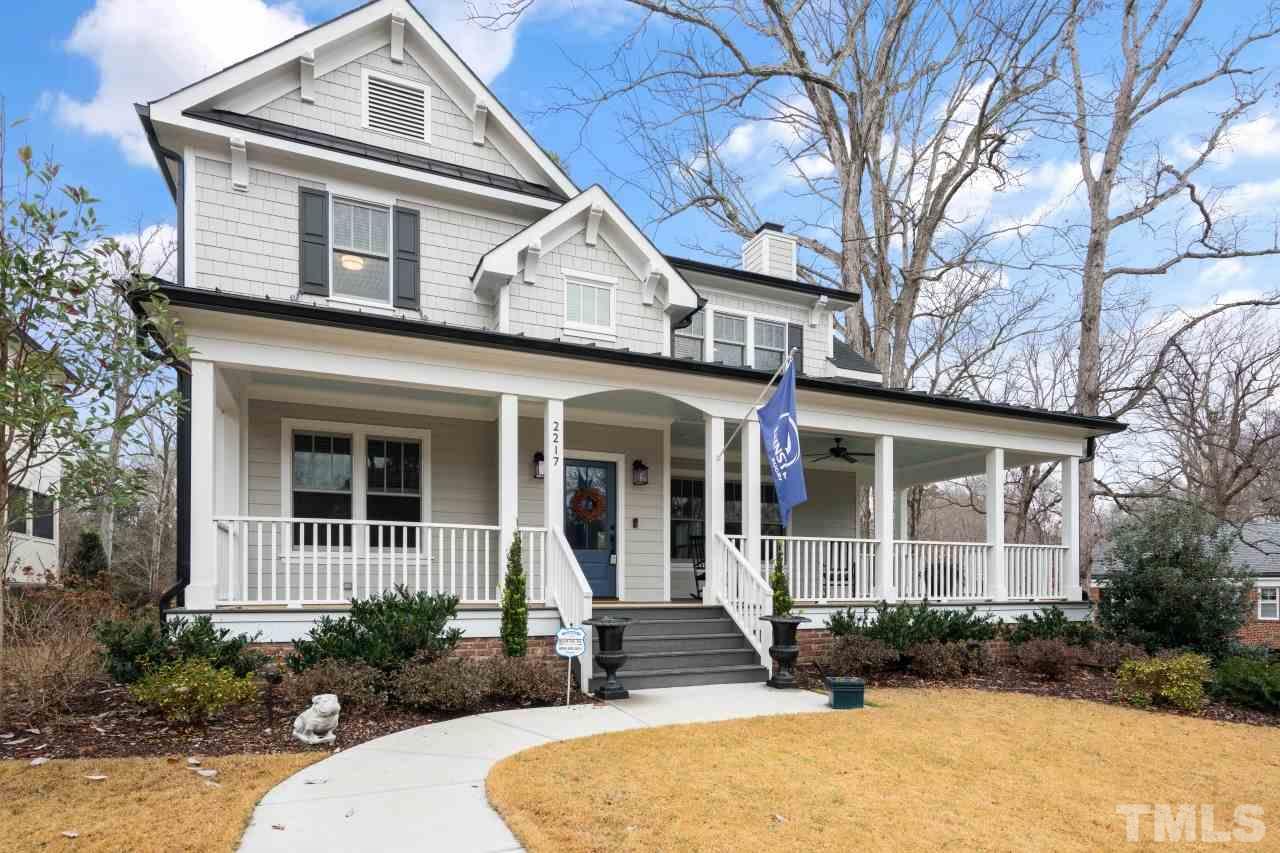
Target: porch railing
point(744, 594)
point(1035, 571)
point(940, 570)
point(296, 561)
point(569, 592)
point(821, 568)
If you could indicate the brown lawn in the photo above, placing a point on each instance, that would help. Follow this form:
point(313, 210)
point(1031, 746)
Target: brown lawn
point(144, 804)
point(923, 769)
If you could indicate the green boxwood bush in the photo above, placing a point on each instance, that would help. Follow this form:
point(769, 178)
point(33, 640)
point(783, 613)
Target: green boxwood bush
point(193, 690)
point(1248, 681)
point(901, 626)
point(132, 647)
point(385, 632)
point(1052, 624)
point(1178, 681)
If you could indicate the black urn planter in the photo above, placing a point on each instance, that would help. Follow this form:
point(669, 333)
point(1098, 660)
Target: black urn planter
point(785, 649)
point(610, 657)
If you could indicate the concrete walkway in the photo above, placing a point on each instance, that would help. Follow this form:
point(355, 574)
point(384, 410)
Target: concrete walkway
point(423, 788)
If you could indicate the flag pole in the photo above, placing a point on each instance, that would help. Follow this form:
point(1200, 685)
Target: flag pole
point(786, 362)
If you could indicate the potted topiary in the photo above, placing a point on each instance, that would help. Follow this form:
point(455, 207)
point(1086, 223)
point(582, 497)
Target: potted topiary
point(785, 648)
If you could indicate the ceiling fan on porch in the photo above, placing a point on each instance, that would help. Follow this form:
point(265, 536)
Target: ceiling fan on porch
point(839, 451)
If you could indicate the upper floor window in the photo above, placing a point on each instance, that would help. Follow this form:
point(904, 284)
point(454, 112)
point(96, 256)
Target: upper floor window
point(688, 341)
point(730, 339)
point(361, 251)
point(770, 344)
point(397, 106)
point(1269, 602)
point(588, 303)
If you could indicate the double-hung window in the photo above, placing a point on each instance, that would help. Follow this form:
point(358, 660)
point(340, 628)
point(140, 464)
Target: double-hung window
point(393, 489)
point(770, 344)
point(322, 487)
point(30, 513)
point(688, 341)
point(1269, 603)
point(588, 305)
point(730, 339)
point(19, 507)
point(361, 251)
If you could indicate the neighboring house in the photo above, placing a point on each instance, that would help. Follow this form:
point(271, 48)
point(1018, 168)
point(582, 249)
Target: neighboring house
point(415, 338)
point(29, 547)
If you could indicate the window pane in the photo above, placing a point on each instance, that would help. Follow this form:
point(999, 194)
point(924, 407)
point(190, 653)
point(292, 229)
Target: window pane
point(768, 359)
point(732, 329)
point(321, 505)
point(42, 523)
point(378, 230)
point(342, 224)
point(688, 348)
point(588, 306)
point(771, 335)
point(573, 303)
point(730, 354)
point(603, 312)
point(377, 467)
point(395, 475)
point(322, 462)
point(361, 278)
point(18, 509)
point(413, 467)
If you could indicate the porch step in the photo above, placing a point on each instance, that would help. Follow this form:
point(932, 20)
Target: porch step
point(681, 645)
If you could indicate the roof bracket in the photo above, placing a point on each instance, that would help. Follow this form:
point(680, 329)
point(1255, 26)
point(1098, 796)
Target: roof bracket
point(397, 39)
point(815, 311)
point(593, 225)
point(307, 77)
point(532, 262)
point(649, 287)
point(239, 165)
point(479, 119)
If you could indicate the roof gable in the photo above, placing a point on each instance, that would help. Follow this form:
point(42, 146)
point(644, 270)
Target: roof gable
point(594, 212)
point(272, 74)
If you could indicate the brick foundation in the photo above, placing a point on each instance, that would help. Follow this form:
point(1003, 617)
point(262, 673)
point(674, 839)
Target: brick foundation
point(1256, 632)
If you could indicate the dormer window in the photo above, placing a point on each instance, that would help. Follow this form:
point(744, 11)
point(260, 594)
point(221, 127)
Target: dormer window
point(361, 251)
point(397, 106)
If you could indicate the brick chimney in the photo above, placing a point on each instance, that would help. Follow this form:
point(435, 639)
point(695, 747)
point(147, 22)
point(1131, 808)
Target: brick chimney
point(771, 251)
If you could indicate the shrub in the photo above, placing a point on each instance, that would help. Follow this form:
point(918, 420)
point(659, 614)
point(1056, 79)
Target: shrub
point(782, 602)
point(192, 691)
point(515, 606)
point(523, 680)
point(1171, 584)
point(904, 625)
point(1237, 649)
point(1248, 681)
point(1052, 624)
point(357, 685)
point(385, 632)
point(1178, 681)
point(448, 685)
point(1052, 659)
point(1109, 654)
point(859, 656)
point(938, 660)
point(89, 560)
point(130, 647)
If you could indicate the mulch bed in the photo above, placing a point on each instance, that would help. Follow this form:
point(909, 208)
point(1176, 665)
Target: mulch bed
point(109, 724)
point(1085, 683)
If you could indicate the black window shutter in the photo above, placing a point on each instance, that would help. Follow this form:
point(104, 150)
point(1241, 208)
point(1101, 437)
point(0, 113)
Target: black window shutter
point(407, 274)
point(795, 340)
point(313, 241)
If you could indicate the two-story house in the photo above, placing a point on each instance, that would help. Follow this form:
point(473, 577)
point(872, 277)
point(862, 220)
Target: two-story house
point(415, 339)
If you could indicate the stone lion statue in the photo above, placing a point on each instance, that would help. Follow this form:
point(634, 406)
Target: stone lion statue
point(316, 724)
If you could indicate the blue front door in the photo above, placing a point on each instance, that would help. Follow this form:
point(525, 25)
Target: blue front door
point(591, 521)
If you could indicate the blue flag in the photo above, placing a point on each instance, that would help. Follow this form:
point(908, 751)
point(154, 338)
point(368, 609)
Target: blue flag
point(781, 438)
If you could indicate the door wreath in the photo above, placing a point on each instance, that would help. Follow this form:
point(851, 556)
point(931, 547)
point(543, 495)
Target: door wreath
point(588, 504)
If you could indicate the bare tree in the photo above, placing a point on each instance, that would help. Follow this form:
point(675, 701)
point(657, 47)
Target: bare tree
point(888, 118)
point(1156, 62)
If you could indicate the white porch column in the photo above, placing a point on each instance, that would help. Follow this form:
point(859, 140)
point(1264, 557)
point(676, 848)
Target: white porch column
point(997, 585)
point(712, 499)
point(508, 472)
point(1071, 526)
point(751, 491)
point(883, 517)
point(201, 592)
point(553, 465)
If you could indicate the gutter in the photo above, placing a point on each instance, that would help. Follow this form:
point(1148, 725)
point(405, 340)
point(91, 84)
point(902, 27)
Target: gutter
point(295, 312)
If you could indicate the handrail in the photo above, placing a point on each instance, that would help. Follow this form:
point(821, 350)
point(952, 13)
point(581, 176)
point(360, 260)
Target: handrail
point(742, 592)
point(567, 588)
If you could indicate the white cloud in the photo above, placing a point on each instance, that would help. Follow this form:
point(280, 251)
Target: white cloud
point(144, 49)
point(1218, 273)
point(153, 250)
point(1252, 197)
point(1258, 139)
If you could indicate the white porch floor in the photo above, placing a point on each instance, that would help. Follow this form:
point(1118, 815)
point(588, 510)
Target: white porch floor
point(423, 788)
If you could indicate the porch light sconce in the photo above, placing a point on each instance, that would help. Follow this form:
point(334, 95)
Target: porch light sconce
point(639, 473)
point(539, 466)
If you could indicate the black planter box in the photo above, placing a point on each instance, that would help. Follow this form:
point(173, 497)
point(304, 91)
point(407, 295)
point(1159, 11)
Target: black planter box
point(846, 693)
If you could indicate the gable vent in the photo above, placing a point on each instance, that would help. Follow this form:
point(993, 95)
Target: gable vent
point(394, 107)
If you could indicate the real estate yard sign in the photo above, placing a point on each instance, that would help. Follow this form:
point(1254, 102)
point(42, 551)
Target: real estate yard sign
point(570, 643)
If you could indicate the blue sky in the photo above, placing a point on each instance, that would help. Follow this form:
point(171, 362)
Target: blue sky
point(72, 69)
